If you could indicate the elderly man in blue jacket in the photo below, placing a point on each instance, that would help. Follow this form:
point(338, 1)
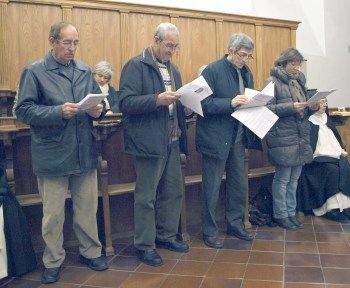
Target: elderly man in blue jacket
point(63, 147)
point(155, 133)
point(222, 139)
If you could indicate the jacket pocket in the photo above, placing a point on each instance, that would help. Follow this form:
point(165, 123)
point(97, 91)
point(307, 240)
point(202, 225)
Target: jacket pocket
point(48, 134)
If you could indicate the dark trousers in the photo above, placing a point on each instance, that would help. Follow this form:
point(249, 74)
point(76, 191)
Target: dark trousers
point(158, 198)
point(236, 189)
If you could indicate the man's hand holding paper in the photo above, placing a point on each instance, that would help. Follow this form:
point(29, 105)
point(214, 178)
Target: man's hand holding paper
point(239, 100)
point(166, 98)
point(193, 93)
point(91, 100)
point(253, 114)
point(95, 111)
point(258, 98)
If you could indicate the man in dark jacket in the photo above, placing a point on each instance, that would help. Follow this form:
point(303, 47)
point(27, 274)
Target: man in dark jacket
point(63, 147)
point(155, 133)
point(222, 140)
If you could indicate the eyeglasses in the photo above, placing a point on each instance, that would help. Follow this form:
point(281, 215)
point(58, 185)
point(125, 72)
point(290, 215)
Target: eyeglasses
point(245, 56)
point(170, 46)
point(68, 43)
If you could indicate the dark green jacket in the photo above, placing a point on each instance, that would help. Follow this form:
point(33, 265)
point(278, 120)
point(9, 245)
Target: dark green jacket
point(146, 125)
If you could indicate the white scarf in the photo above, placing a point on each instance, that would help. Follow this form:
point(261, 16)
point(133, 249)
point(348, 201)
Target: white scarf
point(327, 143)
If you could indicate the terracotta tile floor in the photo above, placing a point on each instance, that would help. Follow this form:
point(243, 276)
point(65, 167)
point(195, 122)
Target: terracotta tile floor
point(316, 257)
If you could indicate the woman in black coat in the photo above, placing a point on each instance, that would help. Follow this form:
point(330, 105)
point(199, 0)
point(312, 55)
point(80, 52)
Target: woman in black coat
point(288, 141)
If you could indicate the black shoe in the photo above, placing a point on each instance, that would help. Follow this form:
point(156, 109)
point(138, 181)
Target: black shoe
point(172, 245)
point(239, 232)
point(97, 264)
point(335, 215)
point(50, 275)
point(150, 257)
point(285, 223)
point(213, 241)
point(296, 222)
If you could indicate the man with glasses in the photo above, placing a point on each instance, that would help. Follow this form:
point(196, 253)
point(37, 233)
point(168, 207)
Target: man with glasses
point(155, 133)
point(222, 140)
point(63, 147)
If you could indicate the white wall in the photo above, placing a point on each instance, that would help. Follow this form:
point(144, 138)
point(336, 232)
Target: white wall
point(323, 36)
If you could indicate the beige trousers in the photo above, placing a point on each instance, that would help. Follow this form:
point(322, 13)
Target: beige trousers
point(84, 193)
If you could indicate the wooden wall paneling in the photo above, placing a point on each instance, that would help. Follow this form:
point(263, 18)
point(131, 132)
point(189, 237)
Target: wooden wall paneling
point(273, 41)
point(230, 28)
point(99, 33)
point(132, 29)
point(141, 31)
point(28, 27)
point(198, 45)
point(4, 69)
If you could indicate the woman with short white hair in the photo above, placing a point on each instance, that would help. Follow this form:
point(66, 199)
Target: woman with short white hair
point(103, 73)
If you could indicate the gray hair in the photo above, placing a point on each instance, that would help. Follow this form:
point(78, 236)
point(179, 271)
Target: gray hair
point(239, 41)
point(55, 31)
point(163, 28)
point(289, 55)
point(103, 68)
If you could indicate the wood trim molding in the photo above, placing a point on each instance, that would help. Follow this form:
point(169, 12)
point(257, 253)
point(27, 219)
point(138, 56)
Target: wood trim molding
point(124, 36)
point(219, 36)
point(3, 38)
point(259, 55)
point(293, 37)
point(162, 10)
point(174, 19)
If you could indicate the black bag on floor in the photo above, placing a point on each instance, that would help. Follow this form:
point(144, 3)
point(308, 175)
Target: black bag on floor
point(261, 208)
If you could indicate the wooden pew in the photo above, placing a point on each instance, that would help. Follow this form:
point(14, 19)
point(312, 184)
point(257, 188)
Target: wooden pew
point(107, 182)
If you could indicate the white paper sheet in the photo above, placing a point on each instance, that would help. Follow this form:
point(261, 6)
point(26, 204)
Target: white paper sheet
point(258, 119)
point(91, 100)
point(193, 93)
point(258, 98)
point(3, 253)
point(318, 96)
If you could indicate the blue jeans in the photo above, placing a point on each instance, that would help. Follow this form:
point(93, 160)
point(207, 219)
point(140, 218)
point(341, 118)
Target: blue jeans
point(284, 188)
